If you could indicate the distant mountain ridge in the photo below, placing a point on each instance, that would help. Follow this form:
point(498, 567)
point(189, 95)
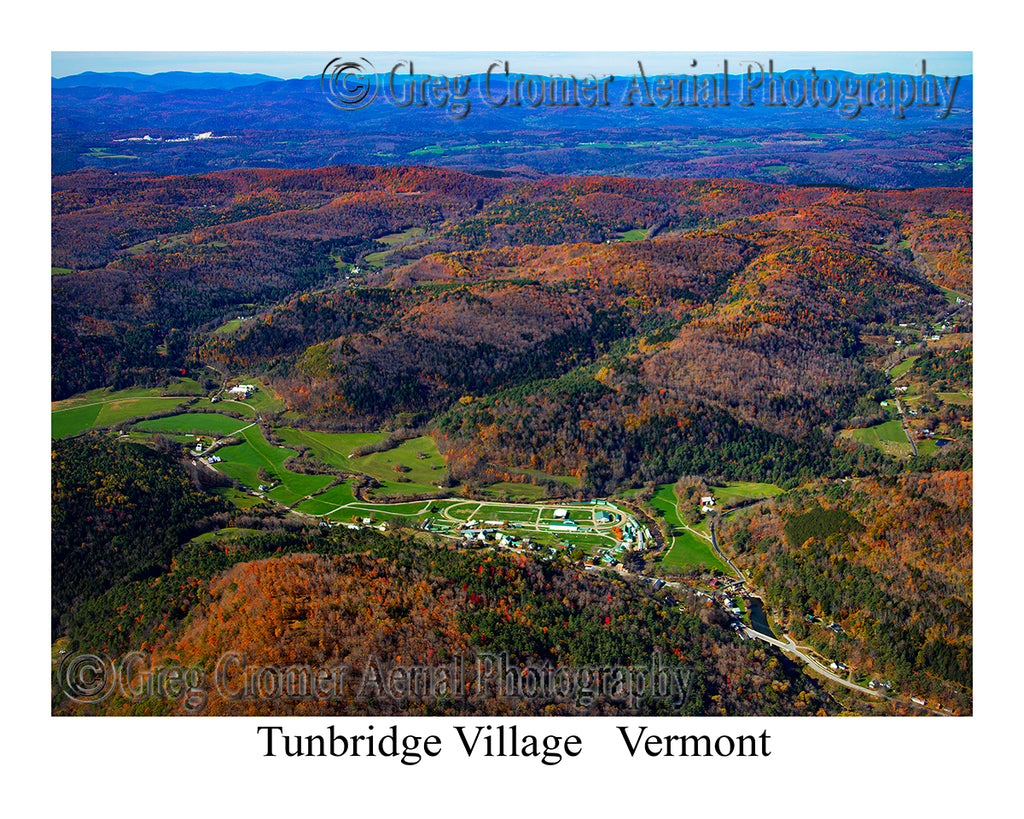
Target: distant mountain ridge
point(162, 81)
point(652, 126)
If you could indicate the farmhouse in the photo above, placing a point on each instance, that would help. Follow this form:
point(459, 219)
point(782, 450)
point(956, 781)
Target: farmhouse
point(242, 390)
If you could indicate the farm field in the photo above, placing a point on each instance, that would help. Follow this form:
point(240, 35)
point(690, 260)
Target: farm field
point(236, 497)
point(515, 491)
point(904, 366)
point(243, 461)
point(208, 423)
point(688, 551)
point(737, 492)
point(333, 448)
point(423, 474)
point(888, 437)
point(74, 420)
point(958, 398)
point(226, 535)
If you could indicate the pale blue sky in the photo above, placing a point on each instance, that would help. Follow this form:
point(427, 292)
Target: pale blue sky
point(290, 64)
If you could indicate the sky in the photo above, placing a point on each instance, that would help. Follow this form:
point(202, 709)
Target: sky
point(293, 64)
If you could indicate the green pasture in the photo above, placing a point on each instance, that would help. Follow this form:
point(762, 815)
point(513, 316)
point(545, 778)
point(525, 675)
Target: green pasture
point(243, 461)
point(227, 535)
point(888, 437)
point(423, 475)
point(903, 366)
point(204, 423)
point(333, 448)
point(512, 491)
point(634, 235)
point(737, 492)
point(74, 416)
point(689, 551)
point(957, 398)
point(228, 327)
point(236, 497)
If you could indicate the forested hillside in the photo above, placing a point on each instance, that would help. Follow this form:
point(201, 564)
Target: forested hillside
point(888, 560)
point(369, 602)
point(740, 320)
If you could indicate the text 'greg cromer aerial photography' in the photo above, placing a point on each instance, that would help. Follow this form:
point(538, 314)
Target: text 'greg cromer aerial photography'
point(513, 385)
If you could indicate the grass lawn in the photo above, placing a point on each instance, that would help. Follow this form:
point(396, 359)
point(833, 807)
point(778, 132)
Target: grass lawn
point(263, 400)
point(394, 509)
point(337, 495)
point(664, 499)
point(207, 423)
point(463, 510)
point(315, 506)
point(634, 235)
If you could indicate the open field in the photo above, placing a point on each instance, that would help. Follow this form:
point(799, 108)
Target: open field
point(522, 491)
point(665, 500)
point(222, 536)
point(208, 423)
point(689, 551)
point(958, 398)
point(686, 549)
point(228, 327)
point(903, 366)
point(737, 492)
point(76, 419)
point(333, 448)
point(499, 512)
point(888, 437)
point(568, 480)
point(263, 400)
point(336, 496)
point(423, 474)
point(243, 461)
point(635, 235)
point(236, 497)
